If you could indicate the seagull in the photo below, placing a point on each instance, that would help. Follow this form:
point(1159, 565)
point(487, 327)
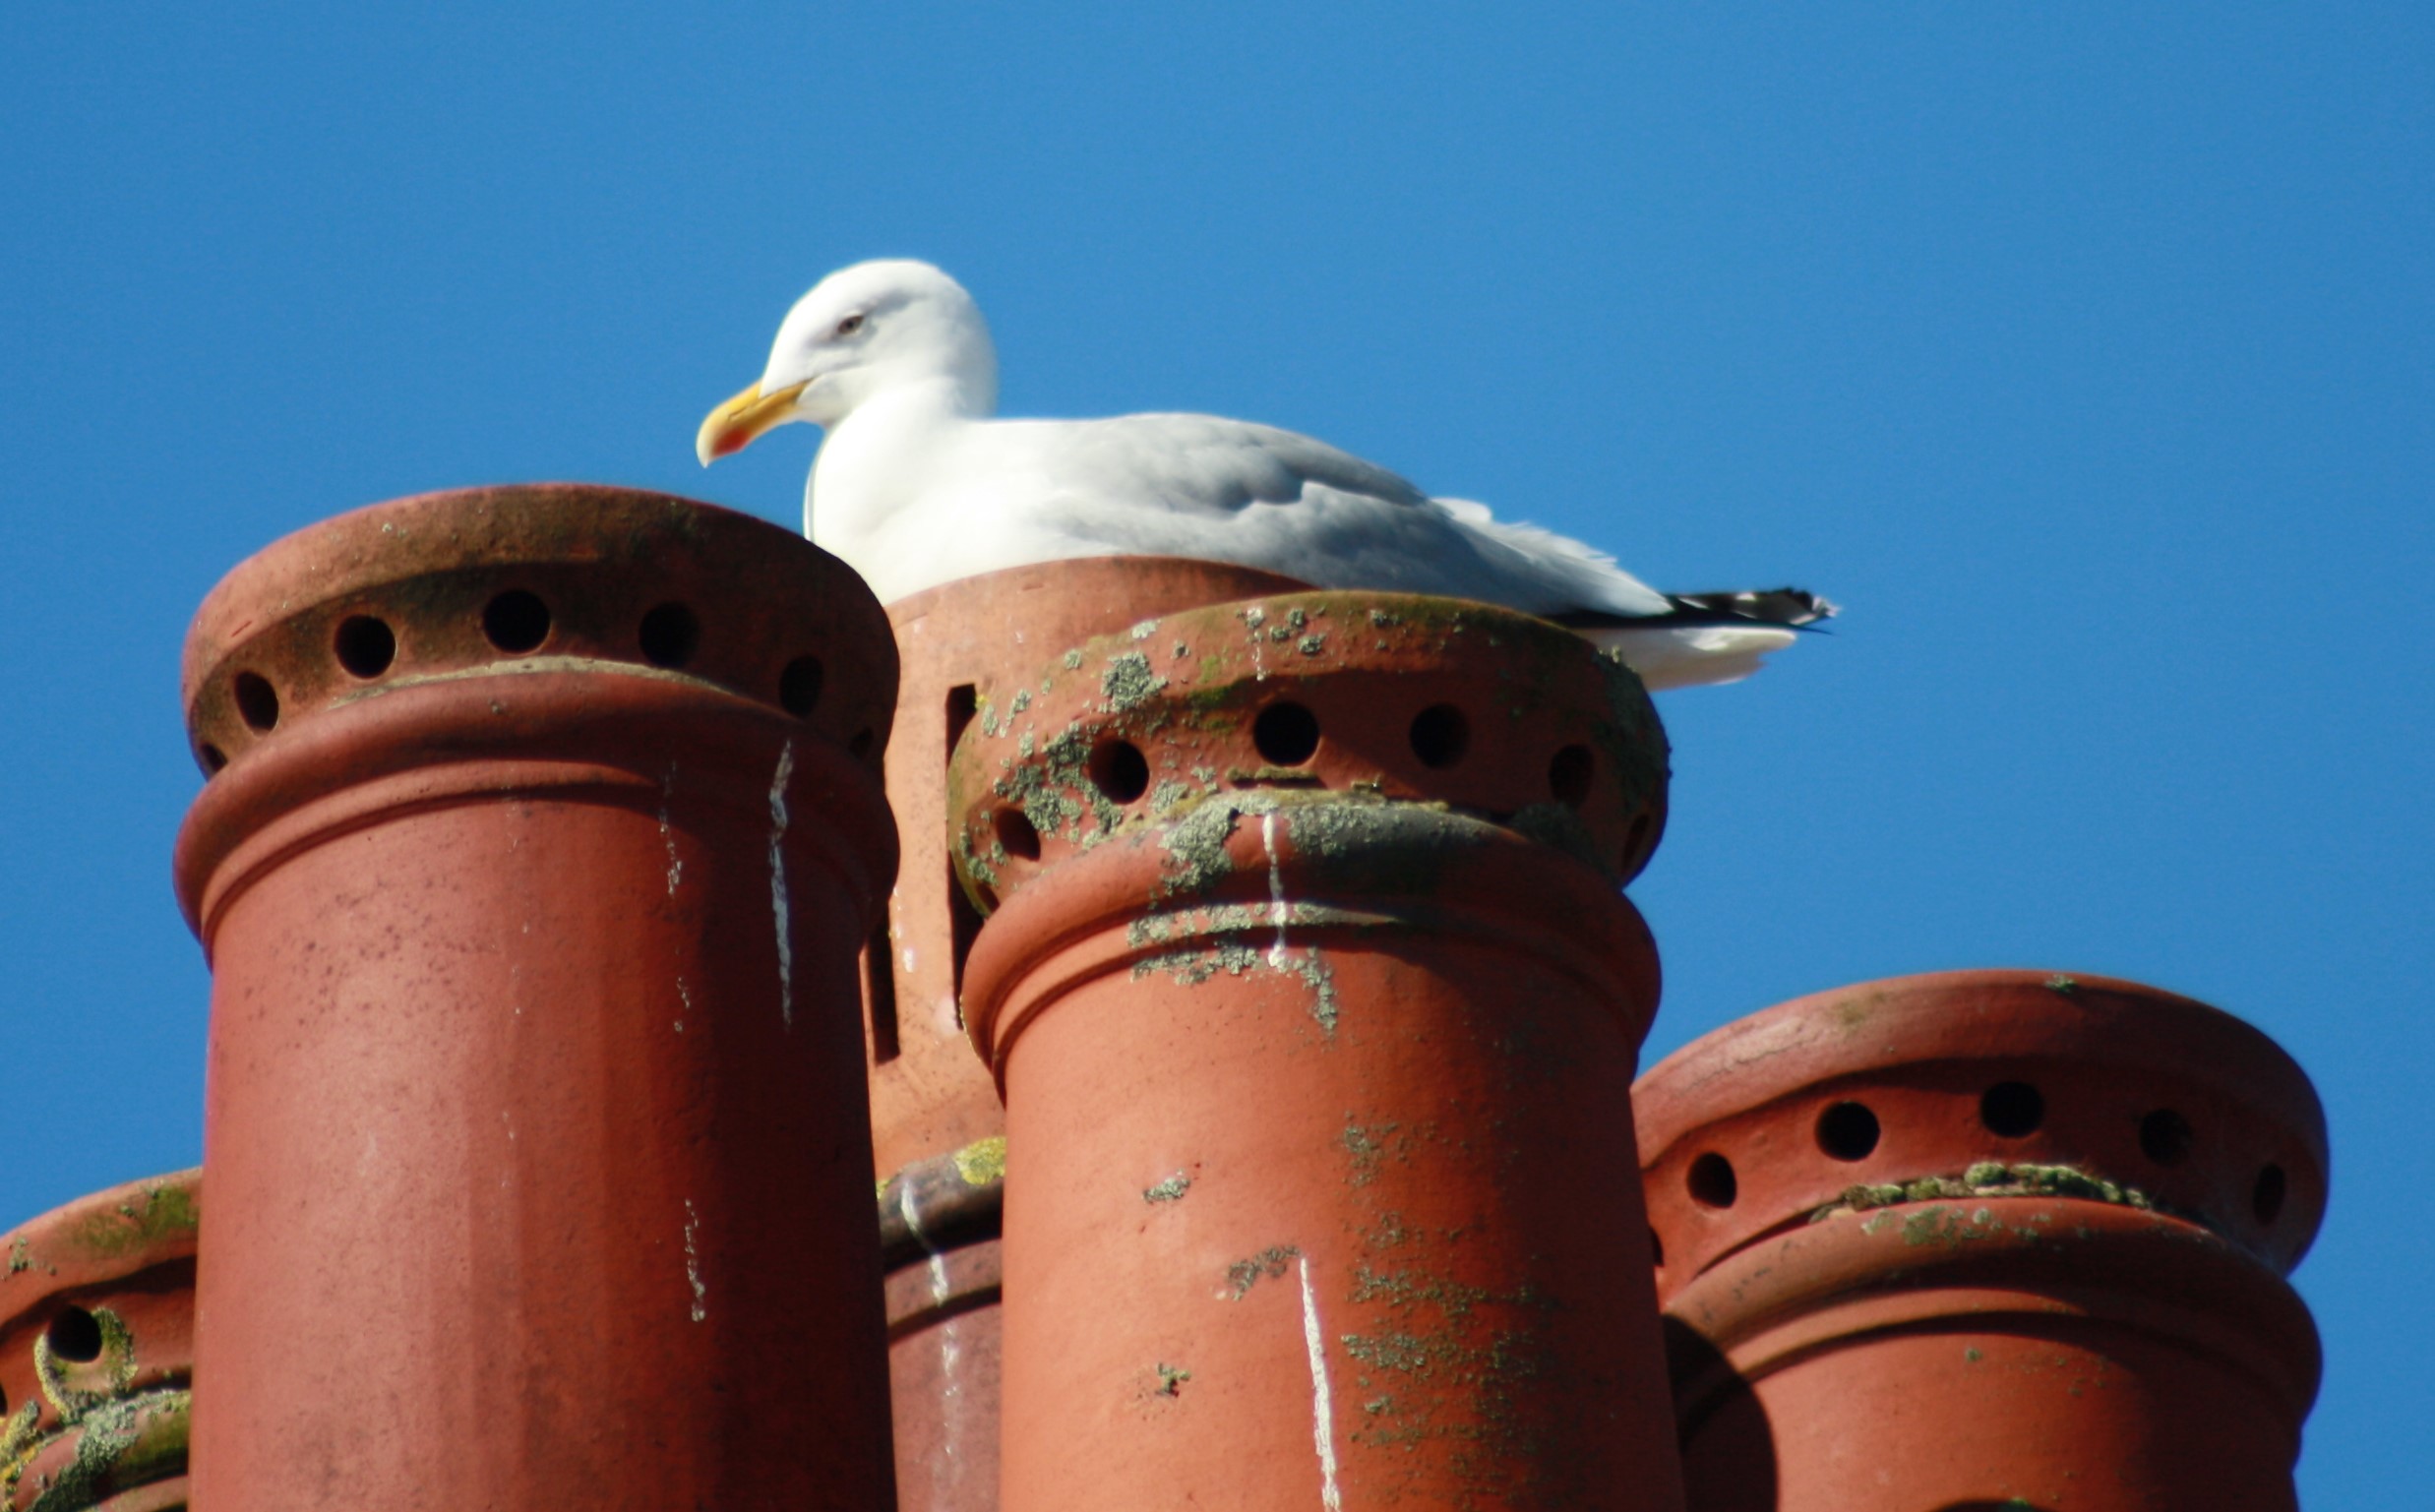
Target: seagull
point(917, 483)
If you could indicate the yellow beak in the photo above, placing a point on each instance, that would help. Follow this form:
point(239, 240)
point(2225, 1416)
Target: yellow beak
point(734, 425)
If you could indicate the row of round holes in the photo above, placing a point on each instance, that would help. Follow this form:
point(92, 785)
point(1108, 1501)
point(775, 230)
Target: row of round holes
point(2009, 1110)
point(1288, 735)
point(517, 622)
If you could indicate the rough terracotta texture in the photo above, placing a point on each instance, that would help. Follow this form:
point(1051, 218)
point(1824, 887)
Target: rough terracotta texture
point(96, 1350)
point(535, 1115)
point(1988, 1238)
point(938, 1131)
point(1306, 1047)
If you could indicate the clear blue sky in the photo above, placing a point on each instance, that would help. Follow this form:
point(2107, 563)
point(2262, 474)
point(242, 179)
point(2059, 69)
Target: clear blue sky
point(2084, 351)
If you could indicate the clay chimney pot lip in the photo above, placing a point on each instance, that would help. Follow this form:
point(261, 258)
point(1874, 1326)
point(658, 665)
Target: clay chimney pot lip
point(1966, 1015)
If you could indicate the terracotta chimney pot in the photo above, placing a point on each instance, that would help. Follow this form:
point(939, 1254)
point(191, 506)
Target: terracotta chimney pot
point(1313, 999)
point(1987, 1239)
point(549, 831)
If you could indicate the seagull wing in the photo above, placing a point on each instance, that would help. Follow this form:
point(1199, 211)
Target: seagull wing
point(1229, 490)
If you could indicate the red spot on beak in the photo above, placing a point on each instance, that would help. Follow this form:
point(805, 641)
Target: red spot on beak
point(728, 444)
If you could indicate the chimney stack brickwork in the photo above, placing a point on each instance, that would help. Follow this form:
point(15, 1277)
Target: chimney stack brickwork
point(544, 859)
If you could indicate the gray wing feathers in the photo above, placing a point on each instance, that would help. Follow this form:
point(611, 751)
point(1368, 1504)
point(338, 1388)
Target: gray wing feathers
point(1337, 518)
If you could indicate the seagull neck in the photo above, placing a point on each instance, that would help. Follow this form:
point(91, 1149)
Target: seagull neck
point(909, 404)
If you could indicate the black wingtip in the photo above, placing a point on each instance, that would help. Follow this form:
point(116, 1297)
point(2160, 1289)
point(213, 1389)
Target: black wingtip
point(1790, 608)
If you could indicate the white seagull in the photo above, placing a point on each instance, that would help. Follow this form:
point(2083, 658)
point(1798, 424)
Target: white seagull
point(916, 484)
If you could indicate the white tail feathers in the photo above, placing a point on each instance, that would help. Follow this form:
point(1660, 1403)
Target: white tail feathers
point(1689, 655)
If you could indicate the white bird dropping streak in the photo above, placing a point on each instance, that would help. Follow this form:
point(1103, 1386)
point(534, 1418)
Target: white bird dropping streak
point(777, 881)
point(1278, 911)
point(1322, 1406)
point(692, 1264)
point(951, 1344)
point(667, 835)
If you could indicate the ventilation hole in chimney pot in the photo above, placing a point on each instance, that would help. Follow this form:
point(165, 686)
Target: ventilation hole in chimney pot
point(669, 636)
point(799, 685)
point(213, 759)
point(1657, 1250)
point(258, 703)
point(76, 1335)
point(1015, 834)
point(1847, 1131)
point(1118, 770)
point(516, 621)
point(1569, 774)
point(1287, 733)
point(2265, 1198)
point(1711, 1180)
point(2165, 1135)
point(365, 647)
point(2012, 1108)
point(1440, 735)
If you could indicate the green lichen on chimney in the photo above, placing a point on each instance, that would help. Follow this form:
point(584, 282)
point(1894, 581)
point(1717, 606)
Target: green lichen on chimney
point(1129, 682)
point(1246, 1273)
point(1192, 967)
point(1195, 847)
point(1989, 1179)
point(1168, 1191)
point(1369, 1147)
point(983, 1162)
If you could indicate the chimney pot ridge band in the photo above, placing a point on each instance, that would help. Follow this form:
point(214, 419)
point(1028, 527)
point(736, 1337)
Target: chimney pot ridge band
point(97, 1349)
point(535, 1108)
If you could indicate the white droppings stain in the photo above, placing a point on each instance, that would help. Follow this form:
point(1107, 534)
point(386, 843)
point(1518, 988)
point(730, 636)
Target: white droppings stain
point(684, 995)
point(1323, 1407)
point(1278, 911)
point(777, 881)
point(909, 959)
point(667, 835)
point(692, 1264)
point(950, 1341)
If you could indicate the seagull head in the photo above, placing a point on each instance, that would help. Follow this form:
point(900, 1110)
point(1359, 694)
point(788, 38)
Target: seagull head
point(873, 328)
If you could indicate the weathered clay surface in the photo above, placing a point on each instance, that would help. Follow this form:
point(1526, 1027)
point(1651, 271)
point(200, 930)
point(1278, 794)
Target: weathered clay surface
point(96, 1350)
point(1982, 1239)
point(536, 1114)
point(965, 645)
point(1305, 1048)
point(1362, 696)
point(935, 1119)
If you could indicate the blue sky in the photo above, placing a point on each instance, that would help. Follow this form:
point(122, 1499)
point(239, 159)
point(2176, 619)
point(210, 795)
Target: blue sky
point(2083, 352)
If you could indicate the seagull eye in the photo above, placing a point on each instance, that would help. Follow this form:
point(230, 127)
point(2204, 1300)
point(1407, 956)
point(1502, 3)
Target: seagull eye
point(851, 324)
